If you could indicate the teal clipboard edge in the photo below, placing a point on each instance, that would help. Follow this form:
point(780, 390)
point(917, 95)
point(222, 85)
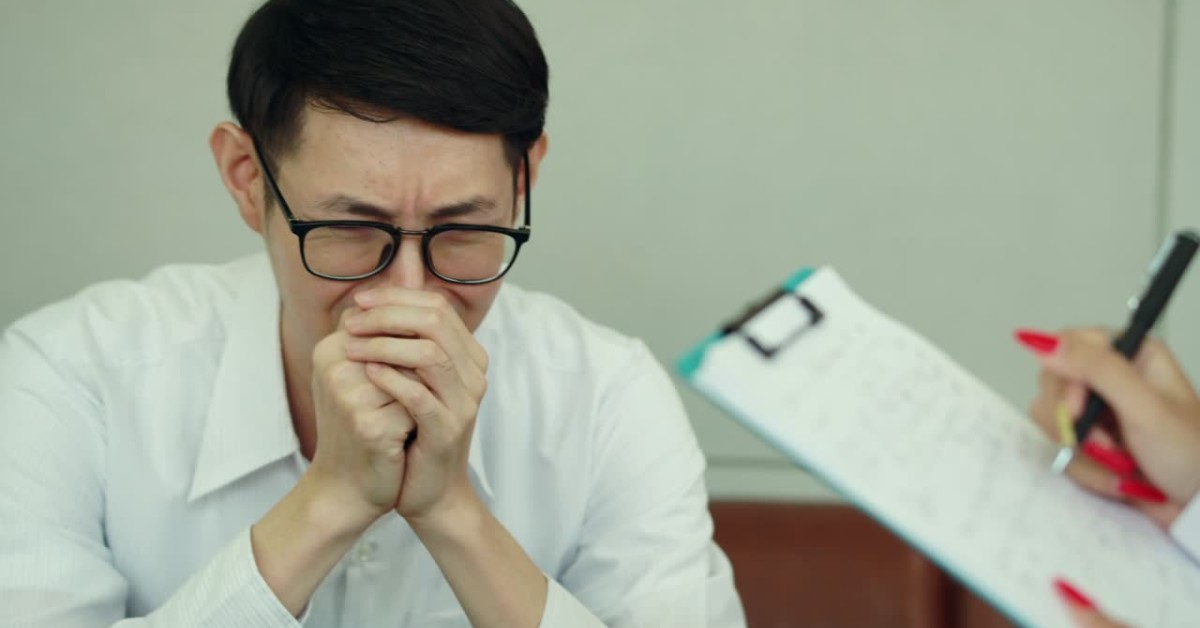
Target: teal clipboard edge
point(687, 366)
point(690, 362)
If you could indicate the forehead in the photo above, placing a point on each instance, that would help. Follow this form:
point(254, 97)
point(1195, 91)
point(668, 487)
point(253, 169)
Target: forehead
point(333, 144)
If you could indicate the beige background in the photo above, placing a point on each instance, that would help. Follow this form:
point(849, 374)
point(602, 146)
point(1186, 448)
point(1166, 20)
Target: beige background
point(969, 166)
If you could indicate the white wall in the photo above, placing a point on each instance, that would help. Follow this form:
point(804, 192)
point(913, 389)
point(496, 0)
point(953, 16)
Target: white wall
point(1182, 177)
point(104, 165)
point(970, 166)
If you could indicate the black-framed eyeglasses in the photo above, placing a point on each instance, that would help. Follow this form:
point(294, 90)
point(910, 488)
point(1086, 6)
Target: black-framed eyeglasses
point(352, 250)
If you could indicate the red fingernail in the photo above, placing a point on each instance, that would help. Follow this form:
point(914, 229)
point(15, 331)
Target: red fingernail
point(1141, 490)
point(1116, 461)
point(1037, 342)
point(1072, 596)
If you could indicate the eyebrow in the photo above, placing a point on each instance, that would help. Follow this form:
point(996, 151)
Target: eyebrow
point(356, 207)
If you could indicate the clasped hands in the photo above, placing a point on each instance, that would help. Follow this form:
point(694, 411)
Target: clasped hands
point(396, 391)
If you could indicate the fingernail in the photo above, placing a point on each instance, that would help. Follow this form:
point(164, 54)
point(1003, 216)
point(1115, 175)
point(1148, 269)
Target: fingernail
point(1072, 596)
point(375, 368)
point(1140, 490)
point(1116, 461)
point(1038, 342)
point(355, 348)
point(366, 299)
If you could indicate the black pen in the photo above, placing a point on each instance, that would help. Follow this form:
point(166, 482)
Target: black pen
point(1165, 272)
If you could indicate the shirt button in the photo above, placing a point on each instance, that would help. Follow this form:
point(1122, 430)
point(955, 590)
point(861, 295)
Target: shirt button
point(366, 551)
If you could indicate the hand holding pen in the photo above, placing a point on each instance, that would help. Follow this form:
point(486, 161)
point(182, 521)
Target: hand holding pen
point(1157, 411)
point(1094, 397)
point(1155, 465)
point(1165, 273)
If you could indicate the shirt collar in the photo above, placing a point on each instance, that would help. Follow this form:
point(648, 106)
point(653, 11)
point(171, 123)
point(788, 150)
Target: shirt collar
point(249, 423)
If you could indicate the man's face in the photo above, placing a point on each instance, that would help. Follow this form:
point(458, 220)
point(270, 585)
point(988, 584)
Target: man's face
point(406, 173)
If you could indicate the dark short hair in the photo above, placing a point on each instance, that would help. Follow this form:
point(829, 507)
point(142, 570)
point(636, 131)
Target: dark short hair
point(471, 65)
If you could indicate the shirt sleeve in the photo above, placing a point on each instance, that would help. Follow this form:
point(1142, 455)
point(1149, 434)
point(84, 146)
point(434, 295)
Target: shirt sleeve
point(645, 551)
point(1186, 529)
point(562, 609)
point(58, 571)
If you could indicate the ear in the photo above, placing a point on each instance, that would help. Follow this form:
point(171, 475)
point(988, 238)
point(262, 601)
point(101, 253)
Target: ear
point(237, 162)
point(536, 153)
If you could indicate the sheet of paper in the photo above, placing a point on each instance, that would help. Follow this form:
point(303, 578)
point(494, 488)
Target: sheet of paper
point(926, 448)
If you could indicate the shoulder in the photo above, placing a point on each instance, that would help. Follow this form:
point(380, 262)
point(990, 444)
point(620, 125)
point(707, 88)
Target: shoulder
point(576, 373)
point(122, 322)
point(547, 333)
point(594, 400)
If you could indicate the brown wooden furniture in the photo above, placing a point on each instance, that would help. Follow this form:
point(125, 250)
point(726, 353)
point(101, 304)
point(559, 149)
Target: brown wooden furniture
point(828, 565)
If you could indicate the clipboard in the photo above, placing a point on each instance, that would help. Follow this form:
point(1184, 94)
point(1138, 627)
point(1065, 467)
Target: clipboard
point(925, 448)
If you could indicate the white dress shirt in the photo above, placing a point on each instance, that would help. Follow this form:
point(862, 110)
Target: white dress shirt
point(144, 427)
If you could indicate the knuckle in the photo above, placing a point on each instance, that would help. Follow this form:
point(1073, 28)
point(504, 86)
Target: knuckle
point(418, 399)
point(484, 358)
point(368, 430)
point(360, 396)
point(415, 394)
point(429, 319)
point(325, 349)
point(444, 361)
point(403, 389)
point(1085, 342)
point(342, 374)
point(475, 383)
point(429, 353)
point(438, 301)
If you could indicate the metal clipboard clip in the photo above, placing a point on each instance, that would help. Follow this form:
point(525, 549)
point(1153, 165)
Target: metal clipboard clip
point(776, 322)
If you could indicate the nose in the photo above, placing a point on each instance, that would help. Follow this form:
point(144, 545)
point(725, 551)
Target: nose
point(407, 269)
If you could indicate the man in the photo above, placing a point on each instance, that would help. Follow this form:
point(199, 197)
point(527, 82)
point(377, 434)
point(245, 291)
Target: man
point(361, 428)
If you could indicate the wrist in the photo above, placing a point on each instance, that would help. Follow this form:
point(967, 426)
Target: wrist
point(458, 515)
point(299, 541)
point(326, 508)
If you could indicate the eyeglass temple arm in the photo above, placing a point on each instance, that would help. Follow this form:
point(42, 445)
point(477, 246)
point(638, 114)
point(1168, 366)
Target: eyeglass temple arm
point(262, 163)
point(528, 193)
